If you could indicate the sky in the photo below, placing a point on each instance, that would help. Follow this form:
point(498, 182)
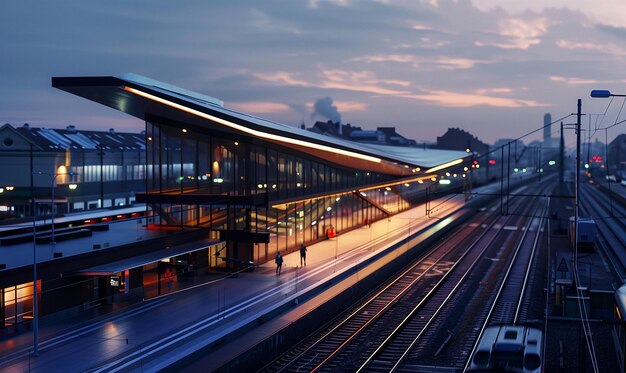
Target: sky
point(492, 68)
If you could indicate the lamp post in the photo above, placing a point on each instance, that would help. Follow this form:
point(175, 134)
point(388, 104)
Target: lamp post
point(53, 177)
point(604, 93)
point(35, 304)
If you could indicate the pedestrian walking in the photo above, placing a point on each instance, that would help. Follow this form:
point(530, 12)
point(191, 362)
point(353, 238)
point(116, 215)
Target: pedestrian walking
point(302, 254)
point(279, 263)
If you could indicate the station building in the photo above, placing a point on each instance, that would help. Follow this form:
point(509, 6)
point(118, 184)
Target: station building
point(259, 185)
point(246, 186)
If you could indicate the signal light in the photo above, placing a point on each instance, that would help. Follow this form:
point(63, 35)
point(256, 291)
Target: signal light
point(492, 161)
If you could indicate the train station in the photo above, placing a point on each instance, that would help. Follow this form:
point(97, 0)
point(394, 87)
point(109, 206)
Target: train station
point(239, 187)
point(226, 193)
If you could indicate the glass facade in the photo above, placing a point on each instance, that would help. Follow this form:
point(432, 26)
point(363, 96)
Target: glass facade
point(302, 197)
point(16, 303)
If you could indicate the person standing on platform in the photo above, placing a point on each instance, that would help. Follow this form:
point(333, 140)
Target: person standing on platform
point(279, 263)
point(168, 277)
point(302, 254)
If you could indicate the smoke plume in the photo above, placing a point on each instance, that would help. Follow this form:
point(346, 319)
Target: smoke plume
point(324, 107)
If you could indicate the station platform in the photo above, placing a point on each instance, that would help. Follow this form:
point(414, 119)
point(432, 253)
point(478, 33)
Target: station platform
point(213, 322)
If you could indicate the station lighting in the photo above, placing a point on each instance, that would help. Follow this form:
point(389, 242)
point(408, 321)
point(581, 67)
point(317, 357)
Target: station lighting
point(72, 186)
point(444, 181)
point(516, 169)
point(250, 131)
point(328, 208)
point(337, 199)
point(407, 185)
point(552, 163)
point(586, 165)
point(184, 130)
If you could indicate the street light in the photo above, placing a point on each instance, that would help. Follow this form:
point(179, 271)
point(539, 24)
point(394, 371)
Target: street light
point(604, 93)
point(53, 177)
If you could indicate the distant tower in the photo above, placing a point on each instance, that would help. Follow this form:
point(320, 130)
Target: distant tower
point(547, 119)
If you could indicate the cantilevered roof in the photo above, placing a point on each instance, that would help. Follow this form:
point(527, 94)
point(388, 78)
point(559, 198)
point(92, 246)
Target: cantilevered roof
point(142, 97)
point(151, 257)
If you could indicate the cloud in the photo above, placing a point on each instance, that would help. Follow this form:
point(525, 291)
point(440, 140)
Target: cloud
point(519, 33)
point(315, 3)
point(438, 63)
point(259, 107)
point(605, 48)
point(263, 22)
point(282, 78)
point(420, 27)
point(456, 99)
point(359, 81)
point(581, 81)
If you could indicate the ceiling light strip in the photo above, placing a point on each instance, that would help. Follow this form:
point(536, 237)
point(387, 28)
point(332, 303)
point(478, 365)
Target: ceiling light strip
point(445, 165)
point(238, 127)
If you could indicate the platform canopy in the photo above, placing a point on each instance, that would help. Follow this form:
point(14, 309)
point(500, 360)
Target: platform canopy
point(146, 98)
point(151, 257)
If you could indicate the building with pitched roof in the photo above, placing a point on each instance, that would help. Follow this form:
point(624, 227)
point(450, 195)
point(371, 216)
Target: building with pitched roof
point(107, 169)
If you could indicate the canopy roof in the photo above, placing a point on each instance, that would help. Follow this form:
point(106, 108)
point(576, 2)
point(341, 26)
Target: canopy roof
point(145, 98)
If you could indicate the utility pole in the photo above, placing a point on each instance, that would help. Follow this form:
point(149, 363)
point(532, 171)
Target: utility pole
point(562, 157)
point(577, 189)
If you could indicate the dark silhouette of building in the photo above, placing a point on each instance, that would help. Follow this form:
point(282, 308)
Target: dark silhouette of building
point(381, 136)
point(547, 134)
point(617, 156)
point(458, 139)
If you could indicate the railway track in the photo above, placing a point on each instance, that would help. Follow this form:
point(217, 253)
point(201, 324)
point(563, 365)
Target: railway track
point(321, 348)
point(493, 290)
point(370, 337)
point(610, 226)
